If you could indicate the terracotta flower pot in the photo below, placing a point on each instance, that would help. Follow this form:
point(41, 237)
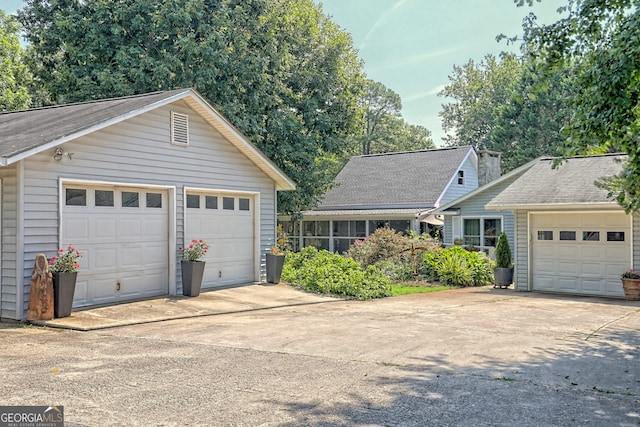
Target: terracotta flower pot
point(631, 289)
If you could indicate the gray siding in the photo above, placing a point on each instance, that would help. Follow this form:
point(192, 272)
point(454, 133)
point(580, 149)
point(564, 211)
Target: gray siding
point(521, 254)
point(9, 230)
point(138, 151)
point(470, 182)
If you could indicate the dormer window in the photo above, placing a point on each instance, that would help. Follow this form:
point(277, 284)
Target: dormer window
point(461, 177)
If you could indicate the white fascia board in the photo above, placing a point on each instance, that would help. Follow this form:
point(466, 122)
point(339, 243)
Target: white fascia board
point(244, 145)
point(558, 207)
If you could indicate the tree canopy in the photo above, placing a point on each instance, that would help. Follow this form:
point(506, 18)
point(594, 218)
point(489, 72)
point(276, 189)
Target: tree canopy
point(15, 78)
point(599, 42)
point(279, 70)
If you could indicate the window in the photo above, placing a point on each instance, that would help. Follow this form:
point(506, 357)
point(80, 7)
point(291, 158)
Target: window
point(491, 231)
point(615, 236)
point(154, 200)
point(243, 204)
point(104, 198)
point(545, 235)
point(567, 235)
point(472, 232)
point(460, 177)
point(591, 236)
point(193, 201)
point(76, 197)
point(228, 203)
point(130, 199)
point(211, 202)
point(482, 232)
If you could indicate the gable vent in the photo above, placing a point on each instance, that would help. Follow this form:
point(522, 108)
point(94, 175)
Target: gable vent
point(179, 128)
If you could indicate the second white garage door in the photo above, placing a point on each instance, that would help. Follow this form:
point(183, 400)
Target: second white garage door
point(226, 222)
point(580, 253)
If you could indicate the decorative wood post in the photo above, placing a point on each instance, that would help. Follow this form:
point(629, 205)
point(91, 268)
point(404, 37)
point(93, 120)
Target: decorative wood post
point(41, 294)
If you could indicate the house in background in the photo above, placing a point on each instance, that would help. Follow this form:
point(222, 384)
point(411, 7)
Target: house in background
point(128, 181)
point(396, 190)
point(469, 223)
point(569, 236)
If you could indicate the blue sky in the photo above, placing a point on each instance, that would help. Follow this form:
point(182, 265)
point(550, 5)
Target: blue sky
point(411, 46)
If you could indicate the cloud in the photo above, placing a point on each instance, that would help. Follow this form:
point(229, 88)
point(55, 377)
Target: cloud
point(415, 60)
point(383, 17)
point(421, 95)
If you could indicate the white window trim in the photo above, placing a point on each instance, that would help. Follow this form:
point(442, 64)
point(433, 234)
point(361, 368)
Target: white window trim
point(482, 218)
point(461, 177)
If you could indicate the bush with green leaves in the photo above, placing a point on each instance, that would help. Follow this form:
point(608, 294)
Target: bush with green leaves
point(456, 266)
point(503, 252)
point(399, 256)
point(327, 273)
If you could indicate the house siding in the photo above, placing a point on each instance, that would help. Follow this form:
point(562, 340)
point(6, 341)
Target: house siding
point(453, 190)
point(635, 226)
point(137, 151)
point(521, 254)
point(9, 230)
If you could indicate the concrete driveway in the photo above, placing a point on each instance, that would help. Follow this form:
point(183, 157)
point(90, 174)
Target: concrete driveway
point(274, 356)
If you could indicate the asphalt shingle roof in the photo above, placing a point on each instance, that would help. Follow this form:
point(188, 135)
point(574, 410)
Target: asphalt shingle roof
point(23, 130)
point(394, 180)
point(570, 183)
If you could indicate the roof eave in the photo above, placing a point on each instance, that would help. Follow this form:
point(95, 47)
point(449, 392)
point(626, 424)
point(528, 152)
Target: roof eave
point(556, 206)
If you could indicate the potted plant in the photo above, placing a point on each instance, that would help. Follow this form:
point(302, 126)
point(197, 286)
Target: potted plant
point(631, 285)
point(64, 268)
point(503, 273)
point(276, 256)
point(192, 267)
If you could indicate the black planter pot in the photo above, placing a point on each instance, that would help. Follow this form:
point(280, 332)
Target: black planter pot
point(192, 272)
point(274, 267)
point(64, 286)
point(503, 277)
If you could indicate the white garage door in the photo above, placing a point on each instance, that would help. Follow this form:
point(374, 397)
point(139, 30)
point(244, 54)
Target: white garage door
point(123, 234)
point(226, 222)
point(580, 253)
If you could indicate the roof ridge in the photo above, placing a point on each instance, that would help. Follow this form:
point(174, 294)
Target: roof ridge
point(93, 101)
point(392, 153)
point(584, 156)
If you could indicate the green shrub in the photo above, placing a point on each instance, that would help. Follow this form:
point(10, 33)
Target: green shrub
point(328, 273)
point(503, 252)
point(455, 266)
point(383, 244)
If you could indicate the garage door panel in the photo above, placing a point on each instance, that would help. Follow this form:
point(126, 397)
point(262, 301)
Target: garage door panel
point(120, 245)
point(591, 266)
point(230, 234)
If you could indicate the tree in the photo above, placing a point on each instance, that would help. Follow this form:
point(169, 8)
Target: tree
point(279, 70)
point(600, 42)
point(530, 124)
point(479, 91)
point(384, 128)
point(14, 75)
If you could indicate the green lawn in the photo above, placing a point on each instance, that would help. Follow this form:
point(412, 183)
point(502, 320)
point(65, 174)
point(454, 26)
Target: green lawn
point(402, 289)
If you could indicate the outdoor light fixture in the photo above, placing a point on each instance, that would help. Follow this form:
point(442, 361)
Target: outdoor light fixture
point(59, 153)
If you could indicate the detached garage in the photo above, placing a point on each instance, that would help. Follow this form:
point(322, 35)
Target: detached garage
point(569, 237)
point(128, 181)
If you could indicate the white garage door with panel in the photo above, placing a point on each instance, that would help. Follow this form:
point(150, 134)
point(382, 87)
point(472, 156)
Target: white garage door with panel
point(226, 221)
point(580, 253)
point(123, 234)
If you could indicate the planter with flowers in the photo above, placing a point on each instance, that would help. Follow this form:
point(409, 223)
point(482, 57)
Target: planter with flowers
point(64, 268)
point(276, 256)
point(192, 267)
point(631, 285)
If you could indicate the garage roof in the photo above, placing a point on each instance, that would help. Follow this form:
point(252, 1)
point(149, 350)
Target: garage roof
point(24, 133)
point(570, 184)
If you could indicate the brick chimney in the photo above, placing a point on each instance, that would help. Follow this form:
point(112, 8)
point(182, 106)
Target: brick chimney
point(488, 166)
